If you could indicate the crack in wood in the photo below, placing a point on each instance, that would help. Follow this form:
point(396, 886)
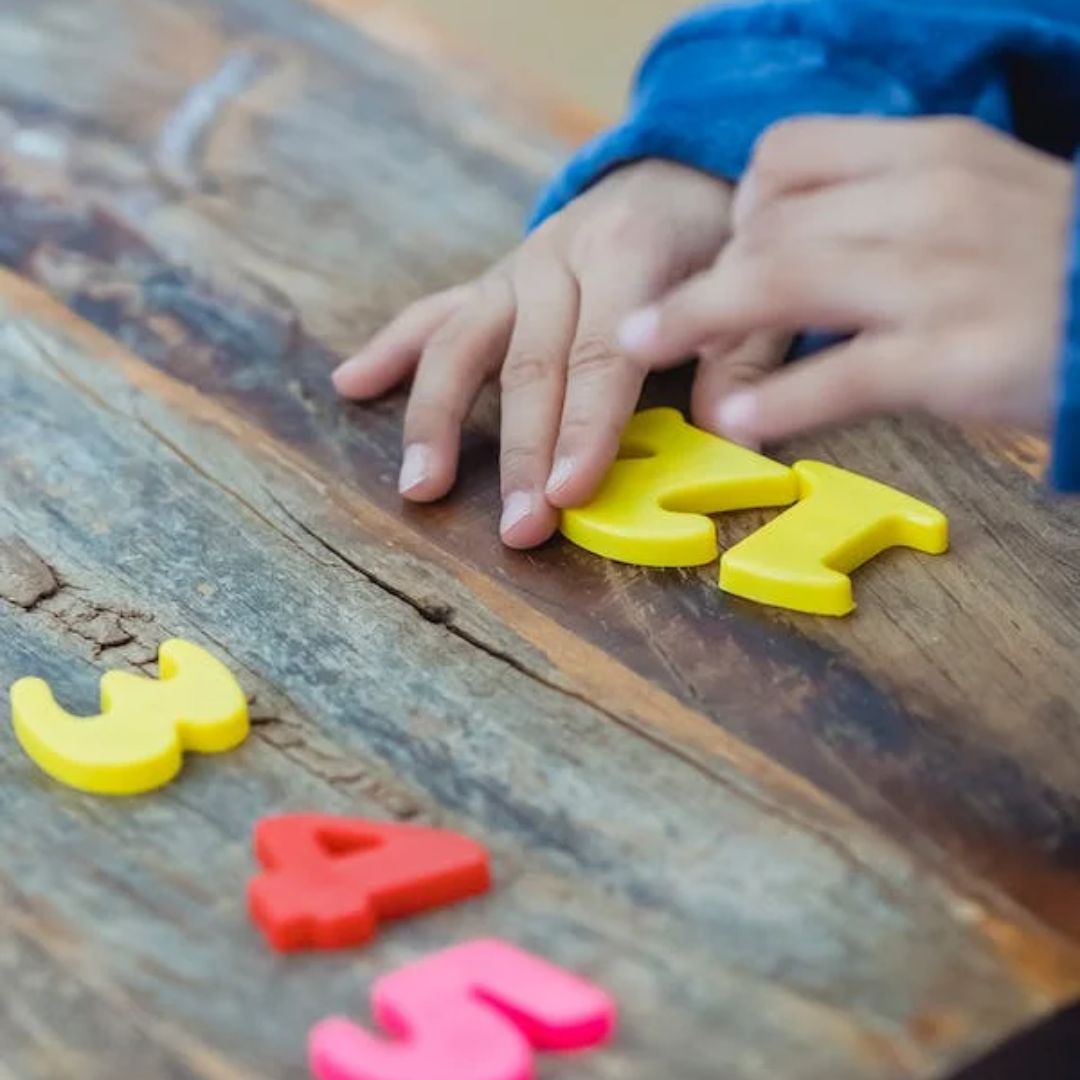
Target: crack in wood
point(26, 580)
point(31, 584)
point(775, 810)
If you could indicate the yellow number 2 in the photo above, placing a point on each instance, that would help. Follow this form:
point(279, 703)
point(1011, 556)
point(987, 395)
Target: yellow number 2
point(651, 508)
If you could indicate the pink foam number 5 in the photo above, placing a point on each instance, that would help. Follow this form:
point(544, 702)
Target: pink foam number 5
point(473, 1012)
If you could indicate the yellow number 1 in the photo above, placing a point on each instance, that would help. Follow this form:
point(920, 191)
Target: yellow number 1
point(802, 559)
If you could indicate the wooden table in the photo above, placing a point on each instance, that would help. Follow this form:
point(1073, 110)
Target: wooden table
point(793, 848)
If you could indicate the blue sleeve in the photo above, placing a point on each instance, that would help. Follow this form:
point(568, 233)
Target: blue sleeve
point(717, 79)
point(1065, 461)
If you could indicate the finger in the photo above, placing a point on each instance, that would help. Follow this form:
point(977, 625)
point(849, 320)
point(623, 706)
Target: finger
point(533, 382)
point(816, 151)
point(602, 384)
point(462, 354)
point(872, 374)
point(722, 371)
point(840, 287)
point(392, 354)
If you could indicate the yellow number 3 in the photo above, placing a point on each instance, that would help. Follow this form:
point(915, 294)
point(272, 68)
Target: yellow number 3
point(651, 510)
point(138, 741)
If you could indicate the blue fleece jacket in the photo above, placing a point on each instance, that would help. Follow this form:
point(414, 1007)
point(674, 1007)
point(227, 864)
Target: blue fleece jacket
point(717, 79)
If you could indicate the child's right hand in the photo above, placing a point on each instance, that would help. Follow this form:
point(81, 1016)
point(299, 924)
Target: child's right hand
point(937, 247)
point(547, 318)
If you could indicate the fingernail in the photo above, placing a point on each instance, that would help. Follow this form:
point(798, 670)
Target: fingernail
point(736, 415)
point(639, 331)
point(517, 507)
point(343, 371)
point(561, 475)
point(416, 467)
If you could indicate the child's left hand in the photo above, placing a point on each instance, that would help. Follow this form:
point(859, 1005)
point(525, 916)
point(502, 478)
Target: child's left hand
point(940, 244)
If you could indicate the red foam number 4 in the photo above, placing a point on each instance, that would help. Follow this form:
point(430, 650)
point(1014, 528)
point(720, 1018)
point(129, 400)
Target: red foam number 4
point(474, 1012)
point(328, 880)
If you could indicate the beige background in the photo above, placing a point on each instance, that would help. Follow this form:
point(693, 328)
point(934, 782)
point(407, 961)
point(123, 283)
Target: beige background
point(584, 50)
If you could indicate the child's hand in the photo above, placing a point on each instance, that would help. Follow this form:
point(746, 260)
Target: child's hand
point(547, 317)
point(941, 244)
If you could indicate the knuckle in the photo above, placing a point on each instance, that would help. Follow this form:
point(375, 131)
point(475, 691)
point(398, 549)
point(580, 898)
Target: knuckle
point(445, 338)
point(581, 428)
point(485, 307)
point(426, 418)
point(518, 464)
point(767, 275)
point(594, 355)
point(779, 146)
point(957, 187)
point(950, 196)
point(545, 236)
point(524, 370)
point(494, 291)
point(421, 310)
point(542, 252)
point(456, 295)
point(763, 230)
point(745, 371)
point(620, 228)
point(955, 136)
point(537, 260)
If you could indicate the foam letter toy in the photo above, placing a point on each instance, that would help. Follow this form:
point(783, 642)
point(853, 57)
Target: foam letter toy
point(474, 1012)
point(328, 880)
point(651, 507)
point(138, 741)
point(802, 559)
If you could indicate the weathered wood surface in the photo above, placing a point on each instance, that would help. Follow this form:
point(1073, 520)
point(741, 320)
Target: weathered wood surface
point(792, 848)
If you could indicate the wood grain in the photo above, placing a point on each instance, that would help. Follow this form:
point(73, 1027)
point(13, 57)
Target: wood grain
point(799, 848)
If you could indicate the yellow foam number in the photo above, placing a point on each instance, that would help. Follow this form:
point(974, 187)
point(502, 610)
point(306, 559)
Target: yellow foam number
point(137, 742)
point(651, 508)
point(802, 559)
